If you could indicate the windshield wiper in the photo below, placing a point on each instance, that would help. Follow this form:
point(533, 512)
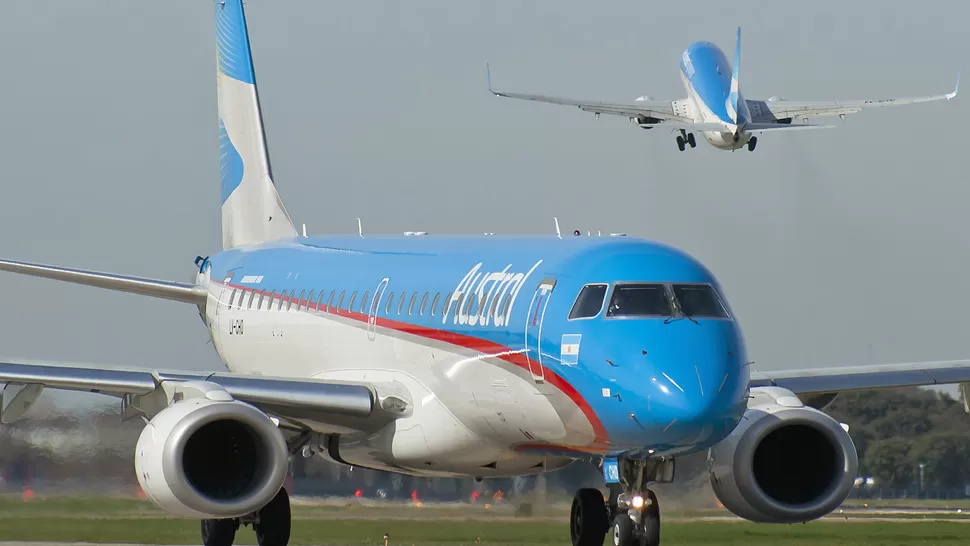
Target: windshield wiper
point(680, 312)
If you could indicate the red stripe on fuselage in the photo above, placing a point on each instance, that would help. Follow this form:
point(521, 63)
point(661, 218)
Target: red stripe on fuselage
point(488, 348)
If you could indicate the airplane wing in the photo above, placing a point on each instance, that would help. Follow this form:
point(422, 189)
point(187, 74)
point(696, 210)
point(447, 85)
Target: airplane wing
point(175, 291)
point(660, 110)
point(773, 110)
point(344, 405)
point(829, 380)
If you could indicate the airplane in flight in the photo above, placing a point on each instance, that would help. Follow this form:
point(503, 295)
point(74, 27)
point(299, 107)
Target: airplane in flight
point(715, 106)
point(454, 356)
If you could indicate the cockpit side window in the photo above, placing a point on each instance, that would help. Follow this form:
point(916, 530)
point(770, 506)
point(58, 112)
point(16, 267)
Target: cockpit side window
point(639, 300)
point(589, 302)
point(699, 300)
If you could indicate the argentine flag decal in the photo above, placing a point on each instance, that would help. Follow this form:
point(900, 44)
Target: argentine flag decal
point(569, 349)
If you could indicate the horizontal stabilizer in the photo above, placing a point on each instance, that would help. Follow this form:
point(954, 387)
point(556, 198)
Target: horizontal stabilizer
point(687, 126)
point(759, 127)
point(175, 291)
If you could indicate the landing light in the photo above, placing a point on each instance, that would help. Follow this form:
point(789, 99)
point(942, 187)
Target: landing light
point(637, 501)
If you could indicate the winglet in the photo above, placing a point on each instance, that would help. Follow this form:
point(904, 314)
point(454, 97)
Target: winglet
point(735, 86)
point(488, 74)
point(956, 88)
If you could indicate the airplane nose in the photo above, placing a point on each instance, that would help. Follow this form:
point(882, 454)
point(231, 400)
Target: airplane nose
point(698, 397)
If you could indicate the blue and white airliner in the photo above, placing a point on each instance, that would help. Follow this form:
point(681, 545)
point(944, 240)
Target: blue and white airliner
point(474, 356)
point(717, 109)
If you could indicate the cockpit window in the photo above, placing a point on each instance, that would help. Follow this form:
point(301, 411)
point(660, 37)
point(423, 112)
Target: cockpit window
point(589, 302)
point(699, 300)
point(639, 300)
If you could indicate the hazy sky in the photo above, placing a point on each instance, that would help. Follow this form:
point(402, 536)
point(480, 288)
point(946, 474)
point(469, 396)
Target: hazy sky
point(827, 242)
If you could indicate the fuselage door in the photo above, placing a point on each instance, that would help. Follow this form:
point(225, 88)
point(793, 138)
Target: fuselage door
point(375, 306)
point(533, 327)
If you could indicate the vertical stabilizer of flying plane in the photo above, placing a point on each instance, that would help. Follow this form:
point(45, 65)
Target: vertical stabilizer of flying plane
point(732, 106)
point(252, 211)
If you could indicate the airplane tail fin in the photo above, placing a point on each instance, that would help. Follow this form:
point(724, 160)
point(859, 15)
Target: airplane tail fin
point(252, 211)
point(735, 86)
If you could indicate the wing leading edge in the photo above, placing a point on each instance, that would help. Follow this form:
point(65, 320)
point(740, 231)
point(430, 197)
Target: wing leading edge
point(342, 404)
point(829, 380)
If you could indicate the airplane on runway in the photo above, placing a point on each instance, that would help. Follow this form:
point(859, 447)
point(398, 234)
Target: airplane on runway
point(715, 106)
point(474, 356)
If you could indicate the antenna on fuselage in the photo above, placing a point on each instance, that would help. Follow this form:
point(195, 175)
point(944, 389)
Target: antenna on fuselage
point(360, 228)
point(558, 233)
point(304, 231)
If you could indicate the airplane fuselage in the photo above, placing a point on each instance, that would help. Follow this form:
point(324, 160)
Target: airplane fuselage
point(502, 381)
point(706, 74)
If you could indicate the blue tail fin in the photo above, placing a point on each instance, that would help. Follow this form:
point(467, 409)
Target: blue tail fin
point(252, 211)
point(735, 86)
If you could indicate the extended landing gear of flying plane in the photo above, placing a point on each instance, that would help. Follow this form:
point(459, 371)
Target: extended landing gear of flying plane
point(684, 139)
point(632, 515)
point(271, 523)
point(752, 142)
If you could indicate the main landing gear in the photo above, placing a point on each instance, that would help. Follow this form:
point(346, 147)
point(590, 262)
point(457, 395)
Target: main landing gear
point(684, 139)
point(271, 523)
point(752, 142)
point(632, 514)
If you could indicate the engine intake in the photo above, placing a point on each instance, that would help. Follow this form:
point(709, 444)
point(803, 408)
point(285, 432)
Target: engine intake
point(205, 458)
point(785, 463)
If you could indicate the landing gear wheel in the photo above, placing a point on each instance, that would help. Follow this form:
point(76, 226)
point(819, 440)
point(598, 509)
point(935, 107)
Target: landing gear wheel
point(681, 143)
point(651, 521)
point(691, 141)
point(219, 532)
point(623, 531)
point(273, 528)
point(752, 143)
point(588, 518)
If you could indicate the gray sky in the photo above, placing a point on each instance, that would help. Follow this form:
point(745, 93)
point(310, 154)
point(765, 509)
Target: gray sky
point(827, 242)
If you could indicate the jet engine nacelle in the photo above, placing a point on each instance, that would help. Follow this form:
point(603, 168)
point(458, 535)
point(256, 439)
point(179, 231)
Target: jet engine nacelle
point(784, 463)
point(212, 457)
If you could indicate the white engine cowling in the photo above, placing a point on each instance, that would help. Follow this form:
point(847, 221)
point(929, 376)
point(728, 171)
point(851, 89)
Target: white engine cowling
point(211, 458)
point(784, 463)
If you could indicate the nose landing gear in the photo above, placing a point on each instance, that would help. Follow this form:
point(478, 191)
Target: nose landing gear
point(633, 509)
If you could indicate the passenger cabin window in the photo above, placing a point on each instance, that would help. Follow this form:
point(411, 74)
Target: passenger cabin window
point(699, 300)
point(309, 300)
point(252, 296)
point(232, 297)
point(589, 302)
point(434, 303)
point(424, 302)
point(301, 303)
point(400, 304)
point(320, 301)
point(282, 297)
point(446, 305)
point(353, 298)
point(639, 300)
point(363, 303)
point(340, 302)
point(330, 301)
point(414, 298)
point(390, 300)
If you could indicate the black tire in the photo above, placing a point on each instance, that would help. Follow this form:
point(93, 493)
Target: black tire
point(273, 528)
point(219, 532)
point(588, 518)
point(651, 522)
point(752, 143)
point(622, 531)
point(691, 141)
point(680, 143)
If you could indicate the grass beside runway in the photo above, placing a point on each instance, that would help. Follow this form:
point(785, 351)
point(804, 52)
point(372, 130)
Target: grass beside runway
point(453, 533)
point(103, 520)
